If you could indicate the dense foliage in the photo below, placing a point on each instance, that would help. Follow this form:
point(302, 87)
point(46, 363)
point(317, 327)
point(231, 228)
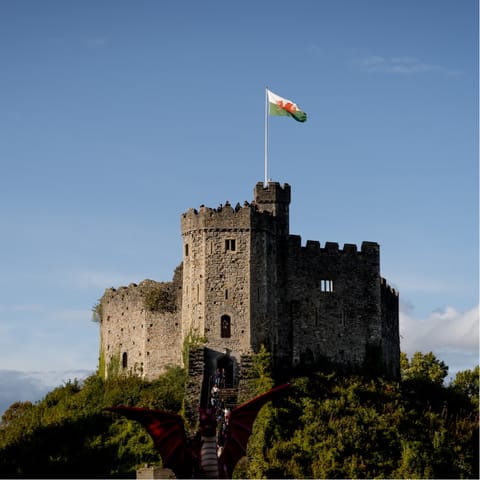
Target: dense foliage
point(332, 426)
point(327, 426)
point(68, 434)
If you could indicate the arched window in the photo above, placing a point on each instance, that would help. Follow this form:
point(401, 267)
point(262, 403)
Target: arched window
point(225, 326)
point(124, 360)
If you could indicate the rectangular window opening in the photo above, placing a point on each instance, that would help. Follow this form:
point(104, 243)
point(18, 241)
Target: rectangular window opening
point(230, 245)
point(326, 286)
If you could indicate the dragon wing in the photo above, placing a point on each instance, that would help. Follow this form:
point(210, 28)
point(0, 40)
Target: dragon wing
point(169, 438)
point(240, 428)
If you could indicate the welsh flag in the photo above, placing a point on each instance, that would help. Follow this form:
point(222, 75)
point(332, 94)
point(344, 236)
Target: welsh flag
point(281, 106)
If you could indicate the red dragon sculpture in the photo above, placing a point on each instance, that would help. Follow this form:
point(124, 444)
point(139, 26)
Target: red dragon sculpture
point(201, 457)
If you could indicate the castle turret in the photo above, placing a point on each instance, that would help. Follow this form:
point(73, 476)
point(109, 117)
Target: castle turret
point(275, 199)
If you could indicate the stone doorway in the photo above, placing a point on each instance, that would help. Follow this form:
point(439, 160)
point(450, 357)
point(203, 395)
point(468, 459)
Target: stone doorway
point(226, 370)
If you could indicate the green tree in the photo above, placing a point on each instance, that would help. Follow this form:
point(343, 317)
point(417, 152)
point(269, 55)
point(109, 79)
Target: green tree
point(423, 367)
point(467, 382)
point(332, 426)
point(14, 413)
point(260, 380)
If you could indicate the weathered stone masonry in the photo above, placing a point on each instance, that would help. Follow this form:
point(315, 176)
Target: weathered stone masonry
point(245, 282)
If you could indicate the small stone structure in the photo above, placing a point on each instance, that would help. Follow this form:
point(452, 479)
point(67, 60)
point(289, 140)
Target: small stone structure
point(244, 282)
point(153, 472)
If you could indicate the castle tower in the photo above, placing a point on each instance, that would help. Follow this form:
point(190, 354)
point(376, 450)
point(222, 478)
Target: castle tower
point(244, 282)
point(230, 271)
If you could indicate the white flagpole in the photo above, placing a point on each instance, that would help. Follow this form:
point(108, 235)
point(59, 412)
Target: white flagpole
point(266, 137)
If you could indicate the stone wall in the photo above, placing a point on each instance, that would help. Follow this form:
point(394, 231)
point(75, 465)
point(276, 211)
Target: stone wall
point(139, 336)
point(195, 386)
point(334, 302)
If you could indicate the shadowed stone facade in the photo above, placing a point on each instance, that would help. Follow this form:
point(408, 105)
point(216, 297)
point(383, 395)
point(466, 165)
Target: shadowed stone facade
point(245, 282)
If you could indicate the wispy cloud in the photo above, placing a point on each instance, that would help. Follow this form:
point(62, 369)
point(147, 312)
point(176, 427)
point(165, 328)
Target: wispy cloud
point(95, 42)
point(401, 66)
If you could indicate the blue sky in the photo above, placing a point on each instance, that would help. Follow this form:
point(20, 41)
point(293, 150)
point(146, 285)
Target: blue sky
point(116, 117)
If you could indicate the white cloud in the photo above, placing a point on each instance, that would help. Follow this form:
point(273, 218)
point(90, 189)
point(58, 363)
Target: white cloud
point(401, 65)
point(446, 331)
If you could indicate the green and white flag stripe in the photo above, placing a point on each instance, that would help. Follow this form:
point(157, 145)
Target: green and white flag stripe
point(281, 106)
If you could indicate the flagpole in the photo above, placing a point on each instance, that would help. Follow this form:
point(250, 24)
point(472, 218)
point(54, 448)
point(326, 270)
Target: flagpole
point(266, 138)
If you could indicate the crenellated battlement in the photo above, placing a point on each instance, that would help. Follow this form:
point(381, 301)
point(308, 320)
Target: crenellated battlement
point(295, 244)
point(268, 210)
point(225, 217)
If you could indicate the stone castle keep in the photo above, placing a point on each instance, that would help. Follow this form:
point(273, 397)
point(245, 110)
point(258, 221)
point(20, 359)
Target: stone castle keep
point(244, 282)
